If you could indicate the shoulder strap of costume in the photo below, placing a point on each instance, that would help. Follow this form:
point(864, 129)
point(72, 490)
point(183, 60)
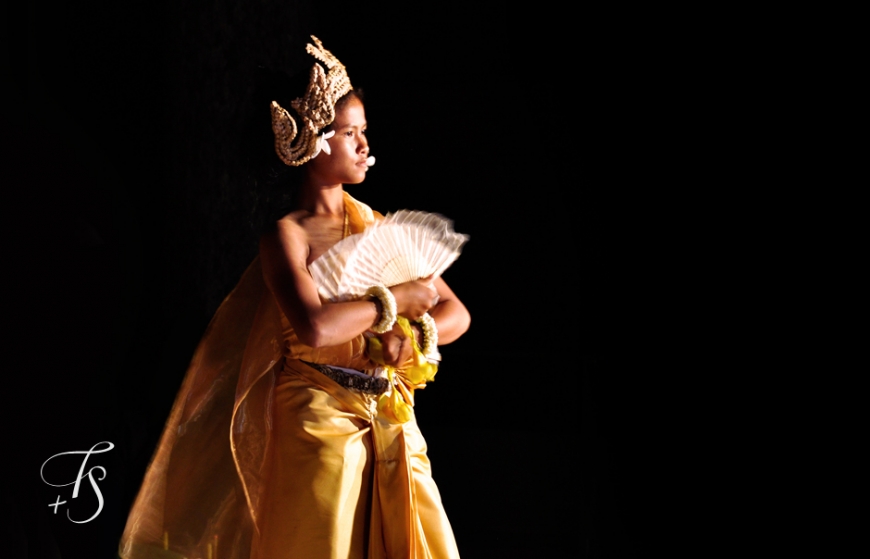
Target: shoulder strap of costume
point(360, 215)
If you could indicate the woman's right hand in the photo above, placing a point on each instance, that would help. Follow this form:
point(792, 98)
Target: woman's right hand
point(415, 298)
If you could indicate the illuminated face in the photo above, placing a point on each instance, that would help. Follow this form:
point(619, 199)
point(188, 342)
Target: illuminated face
point(349, 148)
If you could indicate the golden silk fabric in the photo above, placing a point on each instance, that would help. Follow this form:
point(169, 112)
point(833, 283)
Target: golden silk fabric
point(396, 406)
point(264, 457)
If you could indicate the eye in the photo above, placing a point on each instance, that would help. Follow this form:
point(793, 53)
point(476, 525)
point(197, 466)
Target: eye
point(349, 133)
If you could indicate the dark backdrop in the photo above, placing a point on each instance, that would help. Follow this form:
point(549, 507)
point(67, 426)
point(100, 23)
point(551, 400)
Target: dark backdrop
point(132, 220)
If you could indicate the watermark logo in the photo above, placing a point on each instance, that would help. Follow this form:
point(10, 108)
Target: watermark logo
point(82, 474)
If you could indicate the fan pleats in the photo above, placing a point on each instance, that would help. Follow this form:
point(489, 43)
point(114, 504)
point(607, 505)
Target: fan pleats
point(405, 246)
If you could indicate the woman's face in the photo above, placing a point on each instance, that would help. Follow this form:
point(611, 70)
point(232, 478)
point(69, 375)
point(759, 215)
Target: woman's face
point(349, 148)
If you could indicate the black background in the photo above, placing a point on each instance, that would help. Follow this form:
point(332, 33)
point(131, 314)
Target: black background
point(532, 128)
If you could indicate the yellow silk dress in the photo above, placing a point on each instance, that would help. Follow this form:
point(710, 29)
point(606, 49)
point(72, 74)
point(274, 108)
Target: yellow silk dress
point(266, 457)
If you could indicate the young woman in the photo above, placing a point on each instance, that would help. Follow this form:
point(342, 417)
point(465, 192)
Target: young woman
point(279, 445)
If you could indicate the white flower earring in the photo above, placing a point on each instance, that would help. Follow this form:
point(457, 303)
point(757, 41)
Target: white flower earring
point(322, 144)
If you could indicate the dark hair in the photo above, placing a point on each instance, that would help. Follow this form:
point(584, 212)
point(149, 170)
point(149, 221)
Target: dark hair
point(343, 100)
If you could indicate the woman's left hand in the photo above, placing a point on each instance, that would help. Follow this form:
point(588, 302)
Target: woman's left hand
point(397, 347)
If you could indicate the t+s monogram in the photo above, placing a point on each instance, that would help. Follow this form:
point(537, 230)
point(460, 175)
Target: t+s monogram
point(92, 478)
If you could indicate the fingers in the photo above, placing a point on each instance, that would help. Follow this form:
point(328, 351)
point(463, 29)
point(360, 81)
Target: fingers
point(392, 345)
point(415, 298)
point(397, 350)
point(433, 297)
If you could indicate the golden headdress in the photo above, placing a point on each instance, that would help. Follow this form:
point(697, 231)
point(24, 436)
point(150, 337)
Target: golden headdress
point(316, 108)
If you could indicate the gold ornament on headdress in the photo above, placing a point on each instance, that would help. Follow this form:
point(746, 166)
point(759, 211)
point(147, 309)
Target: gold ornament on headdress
point(316, 109)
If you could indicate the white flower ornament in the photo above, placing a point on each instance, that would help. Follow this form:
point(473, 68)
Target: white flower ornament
point(322, 144)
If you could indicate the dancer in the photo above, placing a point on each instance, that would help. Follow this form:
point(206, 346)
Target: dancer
point(285, 441)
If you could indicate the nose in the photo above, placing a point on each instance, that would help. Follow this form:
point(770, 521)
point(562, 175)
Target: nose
point(363, 144)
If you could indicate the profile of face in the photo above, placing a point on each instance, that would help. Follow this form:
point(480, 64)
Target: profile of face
point(349, 148)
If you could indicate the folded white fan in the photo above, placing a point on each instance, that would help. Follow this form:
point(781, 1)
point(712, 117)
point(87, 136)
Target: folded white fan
point(405, 246)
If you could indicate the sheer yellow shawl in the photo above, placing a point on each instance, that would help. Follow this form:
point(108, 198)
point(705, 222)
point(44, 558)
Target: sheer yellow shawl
point(204, 478)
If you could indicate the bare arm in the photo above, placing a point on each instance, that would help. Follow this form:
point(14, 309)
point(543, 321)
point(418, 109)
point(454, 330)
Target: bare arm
point(451, 316)
point(284, 253)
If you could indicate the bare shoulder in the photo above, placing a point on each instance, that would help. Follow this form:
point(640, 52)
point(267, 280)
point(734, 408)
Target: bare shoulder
point(288, 241)
point(293, 224)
